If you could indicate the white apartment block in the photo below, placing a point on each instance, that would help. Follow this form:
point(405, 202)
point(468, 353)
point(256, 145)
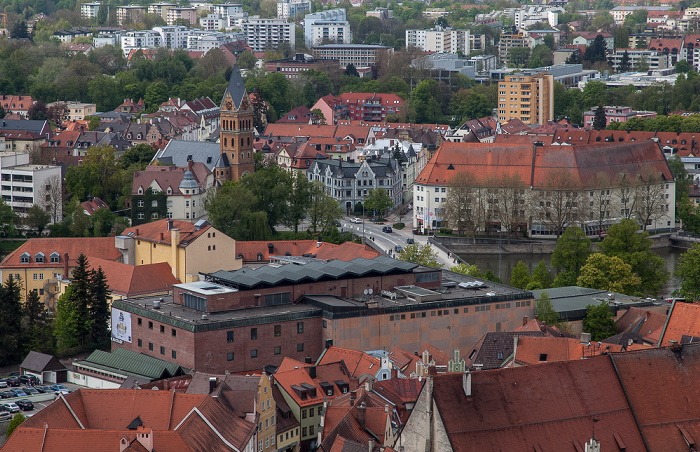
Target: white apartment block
point(107, 39)
point(263, 34)
point(292, 8)
point(160, 9)
point(177, 37)
point(531, 15)
point(652, 58)
point(187, 14)
point(89, 10)
point(439, 39)
point(228, 9)
point(216, 22)
point(204, 42)
point(144, 39)
point(23, 184)
point(173, 36)
point(329, 25)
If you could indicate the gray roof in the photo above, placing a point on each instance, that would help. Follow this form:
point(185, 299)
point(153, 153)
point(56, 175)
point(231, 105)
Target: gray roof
point(349, 169)
point(570, 302)
point(35, 126)
point(497, 347)
point(313, 271)
point(235, 87)
point(177, 151)
point(39, 362)
point(126, 362)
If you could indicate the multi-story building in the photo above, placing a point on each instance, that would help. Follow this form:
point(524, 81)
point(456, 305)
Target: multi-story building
point(333, 108)
point(130, 13)
point(440, 39)
point(586, 38)
point(204, 41)
point(25, 184)
point(478, 42)
point(228, 9)
point(324, 26)
point(181, 14)
point(555, 189)
point(16, 104)
point(143, 39)
point(160, 9)
point(616, 114)
point(637, 58)
point(530, 15)
point(381, 13)
point(620, 12)
point(173, 36)
point(372, 107)
point(349, 183)
point(89, 10)
point(360, 55)
point(77, 111)
point(510, 41)
point(266, 412)
point(529, 98)
point(293, 67)
point(264, 34)
point(287, 9)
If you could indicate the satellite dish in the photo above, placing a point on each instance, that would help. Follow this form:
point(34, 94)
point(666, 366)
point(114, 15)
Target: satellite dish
point(366, 292)
point(370, 291)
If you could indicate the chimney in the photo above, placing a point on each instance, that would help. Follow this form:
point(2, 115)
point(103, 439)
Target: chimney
point(312, 371)
point(585, 338)
point(524, 320)
point(144, 435)
point(212, 384)
point(65, 266)
point(361, 415)
point(370, 445)
point(174, 259)
point(319, 242)
point(673, 344)
point(307, 360)
point(369, 384)
point(467, 383)
point(170, 226)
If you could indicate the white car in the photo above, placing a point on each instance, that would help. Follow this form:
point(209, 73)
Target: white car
point(14, 408)
point(356, 220)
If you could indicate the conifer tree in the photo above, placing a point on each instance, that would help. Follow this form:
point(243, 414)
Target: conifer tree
point(99, 309)
point(10, 322)
point(39, 327)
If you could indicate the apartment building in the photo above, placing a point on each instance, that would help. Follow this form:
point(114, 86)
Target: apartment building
point(330, 25)
point(440, 39)
point(530, 15)
point(264, 34)
point(509, 41)
point(89, 10)
point(529, 98)
point(186, 14)
point(372, 107)
point(228, 9)
point(24, 185)
point(360, 55)
point(130, 13)
point(616, 114)
point(77, 111)
point(638, 57)
point(292, 8)
point(620, 12)
point(160, 9)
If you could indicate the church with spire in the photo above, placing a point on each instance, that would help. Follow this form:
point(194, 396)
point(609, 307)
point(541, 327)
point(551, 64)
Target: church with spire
point(236, 134)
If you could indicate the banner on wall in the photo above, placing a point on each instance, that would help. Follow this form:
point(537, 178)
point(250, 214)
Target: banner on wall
point(121, 325)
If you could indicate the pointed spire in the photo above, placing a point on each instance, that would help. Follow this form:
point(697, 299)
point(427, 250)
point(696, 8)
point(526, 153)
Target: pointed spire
point(236, 87)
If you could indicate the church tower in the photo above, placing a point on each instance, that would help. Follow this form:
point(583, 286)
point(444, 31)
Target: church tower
point(236, 131)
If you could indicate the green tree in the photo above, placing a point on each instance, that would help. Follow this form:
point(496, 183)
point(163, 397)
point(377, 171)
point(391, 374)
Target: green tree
point(608, 273)
point(8, 220)
point(138, 156)
point(155, 94)
point(599, 321)
point(625, 62)
point(99, 309)
point(228, 208)
point(378, 200)
point(73, 320)
point(541, 275)
point(689, 275)
point(622, 38)
point(541, 56)
point(518, 56)
point(98, 176)
point(299, 201)
point(425, 102)
point(682, 66)
point(419, 254)
point(93, 122)
point(599, 118)
point(246, 60)
point(596, 51)
point(491, 276)
point(37, 218)
point(469, 270)
point(544, 310)
point(39, 328)
point(570, 254)
point(272, 187)
point(14, 423)
point(351, 71)
point(323, 210)
point(625, 241)
point(10, 322)
point(520, 276)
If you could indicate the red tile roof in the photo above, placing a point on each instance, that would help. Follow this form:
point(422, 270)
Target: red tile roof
point(168, 177)
point(327, 251)
point(151, 232)
point(536, 325)
point(297, 377)
point(643, 321)
point(683, 320)
point(402, 359)
point(357, 362)
point(662, 44)
point(133, 280)
point(536, 350)
point(99, 247)
point(385, 99)
point(93, 205)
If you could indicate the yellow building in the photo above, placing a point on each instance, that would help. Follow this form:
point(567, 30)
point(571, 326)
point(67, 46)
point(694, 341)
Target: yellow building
point(528, 98)
point(200, 248)
point(41, 263)
point(287, 426)
point(266, 411)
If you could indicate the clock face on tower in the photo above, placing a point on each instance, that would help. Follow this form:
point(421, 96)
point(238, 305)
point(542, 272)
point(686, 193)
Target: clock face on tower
point(244, 105)
point(228, 105)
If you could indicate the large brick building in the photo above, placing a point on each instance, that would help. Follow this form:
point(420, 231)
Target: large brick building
point(246, 319)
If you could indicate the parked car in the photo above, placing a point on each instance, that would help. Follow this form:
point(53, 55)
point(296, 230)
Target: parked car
point(3, 384)
point(410, 241)
point(44, 389)
point(5, 415)
point(13, 407)
point(25, 405)
point(356, 220)
point(26, 379)
point(387, 229)
point(58, 387)
point(18, 393)
point(6, 395)
point(398, 248)
point(13, 381)
point(30, 391)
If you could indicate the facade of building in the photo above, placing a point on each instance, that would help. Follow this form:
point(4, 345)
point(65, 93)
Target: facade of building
point(292, 8)
point(638, 58)
point(18, 105)
point(264, 34)
point(293, 67)
point(510, 41)
point(25, 184)
point(89, 10)
point(324, 26)
point(78, 111)
point(130, 13)
point(160, 9)
point(529, 98)
point(616, 114)
point(440, 39)
point(181, 14)
point(360, 55)
point(333, 108)
point(372, 107)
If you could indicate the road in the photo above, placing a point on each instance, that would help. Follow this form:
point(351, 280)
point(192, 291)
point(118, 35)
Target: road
point(388, 241)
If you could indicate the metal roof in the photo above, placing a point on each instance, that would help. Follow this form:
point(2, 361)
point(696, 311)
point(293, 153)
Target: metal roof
point(570, 302)
point(313, 271)
point(200, 151)
point(122, 360)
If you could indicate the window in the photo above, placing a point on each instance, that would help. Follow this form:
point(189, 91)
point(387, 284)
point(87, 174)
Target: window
point(162, 329)
point(140, 342)
point(311, 430)
point(274, 299)
point(229, 336)
point(54, 258)
point(162, 350)
point(150, 346)
point(303, 432)
point(39, 258)
point(24, 258)
point(229, 356)
point(253, 334)
point(154, 203)
point(174, 354)
point(173, 332)
point(278, 350)
point(254, 353)
point(278, 330)
point(303, 413)
point(300, 327)
point(150, 325)
point(138, 321)
point(300, 347)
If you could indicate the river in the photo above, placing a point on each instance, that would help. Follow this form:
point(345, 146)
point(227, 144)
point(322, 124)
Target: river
point(508, 261)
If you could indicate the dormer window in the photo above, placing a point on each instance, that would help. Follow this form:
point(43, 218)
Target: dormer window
point(55, 258)
point(24, 258)
point(170, 191)
point(140, 191)
point(39, 258)
point(260, 256)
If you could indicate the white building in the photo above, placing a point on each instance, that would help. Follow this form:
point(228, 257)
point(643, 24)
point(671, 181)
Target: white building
point(205, 41)
point(107, 39)
point(160, 9)
point(439, 39)
point(228, 9)
point(292, 8)
point(263, 34)
point(23, 184)
point(330, 25)
point(636, 56)
point(89, 10)
point(173, 36)
point(527, 16)
point(144, 39)
point(187, 14)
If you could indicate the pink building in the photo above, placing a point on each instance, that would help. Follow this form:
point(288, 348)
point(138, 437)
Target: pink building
point(616, 114)
point(372, 106)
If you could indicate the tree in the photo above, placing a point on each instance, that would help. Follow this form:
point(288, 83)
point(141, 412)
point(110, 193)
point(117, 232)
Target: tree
point(462, 207)
point(419, 254)
point(549, 41)
point(491, 276)
point(622, 38)
point(518, 56)
point(689, 275)
point(73, 321)
point(599, 118)
point(52, 195)
point(37, 111)
point(650, 197)
point(466, 269)
point(625, 62)
point(323, 210)
point(596, 51)
point(608, 273)
point(10, 322)
point(544, 310)
point(246, 60)
point(558, 200)
point(520, 276)
point(16, 422)
point(682, 66)
point(19, 30)
point(319, 114)
point(138, 156)
point(541, 275)
point(93, 122)
point(570, 254)
point(378, 200)
point(39, 328)
point(57, 113)
point(351, 71)
point(299, 201)
point(156, 93)
point(99, 309)
point(642, 65)
point(8, 220)
point(37, 218)
point(228, 208)
point(624, 240)
point(541, 56)
point(599, 321)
